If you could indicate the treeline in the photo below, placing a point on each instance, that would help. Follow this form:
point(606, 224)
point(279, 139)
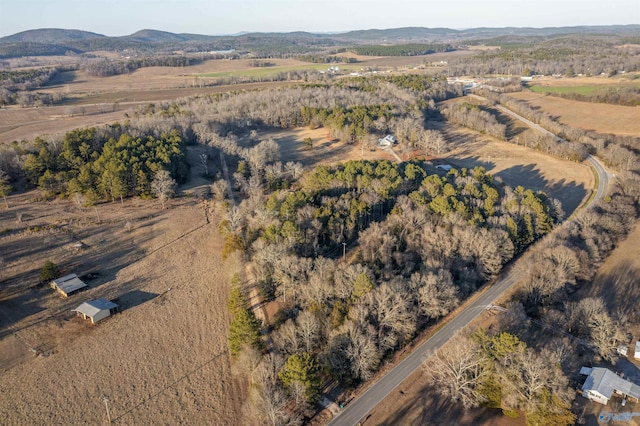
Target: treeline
point(626, 95)
point(587, 59)
point(473, 117)
point(376, 106)
point(618, 151)
point(418, 243)
point(108, 68)
point(400, 49)
point(356, 121)
point(105, 163)
point(327, 59)
point(16, 50)
point(570, 259)
point(16, 87)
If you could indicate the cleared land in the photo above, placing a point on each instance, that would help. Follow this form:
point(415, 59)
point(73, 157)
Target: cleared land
point(602, 118)
point(96, 109)
point(162, 360)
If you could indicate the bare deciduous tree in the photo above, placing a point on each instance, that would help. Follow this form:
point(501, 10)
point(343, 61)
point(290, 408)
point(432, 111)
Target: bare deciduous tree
point(163, 186)
point(457, 370)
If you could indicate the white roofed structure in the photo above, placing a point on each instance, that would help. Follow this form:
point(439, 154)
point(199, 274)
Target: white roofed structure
point(96, 310)
point(602, 383)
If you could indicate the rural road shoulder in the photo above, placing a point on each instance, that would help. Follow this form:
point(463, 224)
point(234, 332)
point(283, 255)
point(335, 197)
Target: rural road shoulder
point(378, 391)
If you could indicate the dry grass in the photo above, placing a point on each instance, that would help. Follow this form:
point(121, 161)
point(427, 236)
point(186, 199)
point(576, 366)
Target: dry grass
point(96, 109)
point(603, 118)
point(162, 360)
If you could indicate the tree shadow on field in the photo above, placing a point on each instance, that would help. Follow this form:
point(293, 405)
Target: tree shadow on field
point(568, 193)
point(619, 289)
point(470, 163)
point(16, 309)
point(134, 298)
point(514, 127)
point(426, 407)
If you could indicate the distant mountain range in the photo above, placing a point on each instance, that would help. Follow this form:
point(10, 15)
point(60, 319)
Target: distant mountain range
point(54, 41)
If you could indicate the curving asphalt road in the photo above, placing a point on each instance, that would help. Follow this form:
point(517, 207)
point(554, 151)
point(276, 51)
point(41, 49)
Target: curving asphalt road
point(357, 409)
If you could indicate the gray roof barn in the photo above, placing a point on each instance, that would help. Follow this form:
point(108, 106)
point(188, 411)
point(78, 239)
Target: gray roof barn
point(96, 310)
point(602, 383)
point(68, 284)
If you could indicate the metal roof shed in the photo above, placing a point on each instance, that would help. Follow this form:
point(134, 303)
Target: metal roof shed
point(96, 310)
point(68, 285)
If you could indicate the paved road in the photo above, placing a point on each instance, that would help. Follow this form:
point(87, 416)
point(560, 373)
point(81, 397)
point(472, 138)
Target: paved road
point(358, 408)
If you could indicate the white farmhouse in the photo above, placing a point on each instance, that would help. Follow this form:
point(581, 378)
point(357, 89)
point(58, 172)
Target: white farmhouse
point(388, 140)
point(602, 383)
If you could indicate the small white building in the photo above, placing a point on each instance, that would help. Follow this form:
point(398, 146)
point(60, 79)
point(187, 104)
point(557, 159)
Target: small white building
point(602, 383)
point(388, 140)
point(445, 167)
point(636, 354)
point(67, 285)
point(96, 310)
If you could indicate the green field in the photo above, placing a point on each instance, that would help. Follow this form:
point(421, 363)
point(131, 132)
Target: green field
point(267, 71)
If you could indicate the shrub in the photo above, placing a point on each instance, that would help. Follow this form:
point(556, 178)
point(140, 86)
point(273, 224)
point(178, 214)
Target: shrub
point(49, 271)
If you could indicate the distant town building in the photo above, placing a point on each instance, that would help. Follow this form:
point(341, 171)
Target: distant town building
point(636, 354)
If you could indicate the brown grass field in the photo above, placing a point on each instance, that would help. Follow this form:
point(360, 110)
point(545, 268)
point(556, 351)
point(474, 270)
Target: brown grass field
point(162, 360)
point(603, 118)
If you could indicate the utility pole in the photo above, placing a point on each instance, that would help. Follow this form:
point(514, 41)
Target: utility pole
point(344, 250)
point(106, 404)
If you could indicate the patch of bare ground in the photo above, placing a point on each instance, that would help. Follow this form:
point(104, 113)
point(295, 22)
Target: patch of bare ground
point(603, 118)
point(162, 360)
point(324, 151)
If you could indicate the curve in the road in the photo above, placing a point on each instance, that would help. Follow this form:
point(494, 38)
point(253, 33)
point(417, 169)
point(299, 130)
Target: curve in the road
point(359, 407)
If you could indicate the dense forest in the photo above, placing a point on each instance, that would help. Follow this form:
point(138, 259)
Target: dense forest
point(400, 49)
point(108, 163)
point(16, 87)
point(417, 242)
point(108, 68)
point(568, 56)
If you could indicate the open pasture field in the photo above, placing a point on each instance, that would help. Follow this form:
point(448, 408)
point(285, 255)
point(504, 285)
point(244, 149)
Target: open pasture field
point(603, 118)
point(162, 360)
point(96, 109)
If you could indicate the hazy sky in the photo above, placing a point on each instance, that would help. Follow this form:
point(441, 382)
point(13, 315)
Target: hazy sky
point(122, 17)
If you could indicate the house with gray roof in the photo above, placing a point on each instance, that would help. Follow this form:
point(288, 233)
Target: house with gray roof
point(603, 383)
